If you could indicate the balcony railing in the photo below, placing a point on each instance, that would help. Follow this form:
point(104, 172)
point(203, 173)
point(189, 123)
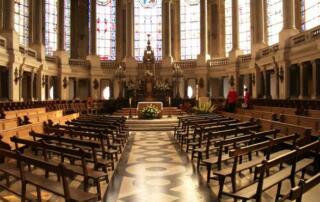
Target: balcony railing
point(79, 62)
point(3, 42)
point(218, 62)
point(188, 64)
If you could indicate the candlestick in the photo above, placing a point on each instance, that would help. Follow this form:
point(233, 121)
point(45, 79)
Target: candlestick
point(169, 101)
point(130, 101)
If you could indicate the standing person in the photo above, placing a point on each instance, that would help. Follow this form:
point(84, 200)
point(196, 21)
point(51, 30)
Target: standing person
point(246, 98)
point(232, 99)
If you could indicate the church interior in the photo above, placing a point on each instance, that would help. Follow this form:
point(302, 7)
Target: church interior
point(160, 100)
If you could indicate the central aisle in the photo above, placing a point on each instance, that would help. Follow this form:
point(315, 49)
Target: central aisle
point(153, 169)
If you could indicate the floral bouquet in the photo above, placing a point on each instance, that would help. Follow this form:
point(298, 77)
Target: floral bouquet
point(149, 112)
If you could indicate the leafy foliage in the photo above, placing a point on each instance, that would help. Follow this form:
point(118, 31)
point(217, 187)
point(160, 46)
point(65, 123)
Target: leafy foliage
point(204, 108)
point(149, 112)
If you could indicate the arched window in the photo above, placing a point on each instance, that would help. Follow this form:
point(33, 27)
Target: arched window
point(51, 11)
point(67, 24)
point(21, 20)
point(228, 26)
point(147, 20)
point(310, 11)
point(244, 26)
point(275, 20)
point(190, 28)
point(106, 29)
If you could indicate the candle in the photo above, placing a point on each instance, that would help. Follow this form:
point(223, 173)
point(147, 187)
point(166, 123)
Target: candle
point(197, 92)
point(130, 101)
point(169, 101)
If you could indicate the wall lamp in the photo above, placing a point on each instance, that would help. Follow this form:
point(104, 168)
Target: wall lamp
point(281, 74)
point(17, 76)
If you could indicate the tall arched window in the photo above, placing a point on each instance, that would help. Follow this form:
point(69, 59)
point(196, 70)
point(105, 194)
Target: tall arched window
point(190, 28)
point(106, 29)
point(228, 26)
point(147, 20)
point(310, 11)
point(275, 20)
point(21, 20)
point(244, 26)
point(51, 11)
point(67, 24)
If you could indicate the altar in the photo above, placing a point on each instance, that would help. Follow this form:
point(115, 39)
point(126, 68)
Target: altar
point(144, 104)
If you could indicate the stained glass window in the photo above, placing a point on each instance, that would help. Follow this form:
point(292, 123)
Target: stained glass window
point(147, 20)
point(106, 29)
point(21, 20)
point(51, 11)
point(244, 26)
point(67, 24)
point(310, 11)
point(275, 20)
point(190, 28)
point(228, 26)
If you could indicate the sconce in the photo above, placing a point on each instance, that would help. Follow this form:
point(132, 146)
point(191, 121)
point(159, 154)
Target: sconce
point(95, 84)
point(65, 82)
point(17, 75)
point(281, 74)
point(253, 79)
point(44, 82)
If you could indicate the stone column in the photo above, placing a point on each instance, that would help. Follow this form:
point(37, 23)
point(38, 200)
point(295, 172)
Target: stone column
point(93, 27)
point(301, 96)
point(204, 56)
point(61, 39)
point(258, 24)
point(129, 59)
point(314, 79)
point(38, 28)
point(31, 80)
point(217, 29)
point(166, 33)
point(8, 15)
point(176, 29)
point(289, 22)
point(235, 52)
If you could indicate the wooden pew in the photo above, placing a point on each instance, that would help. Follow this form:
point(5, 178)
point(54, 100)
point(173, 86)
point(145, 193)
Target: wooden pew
point(297, 192)
point(237, 154)
point(63, 152)
point(23, 112)
point(263, 183)
point(60, 188)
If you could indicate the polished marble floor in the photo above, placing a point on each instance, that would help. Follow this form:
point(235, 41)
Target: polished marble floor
point(154, 169)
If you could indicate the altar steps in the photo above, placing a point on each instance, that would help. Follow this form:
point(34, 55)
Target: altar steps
point(174, 111)
point(164, 124)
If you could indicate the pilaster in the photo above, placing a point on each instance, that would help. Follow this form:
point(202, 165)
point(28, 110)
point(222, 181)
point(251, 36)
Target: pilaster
point(204, 56)
point(289, 23)
point(166, 34)
point(235, 52)
point(258, 21)
point(314, 79)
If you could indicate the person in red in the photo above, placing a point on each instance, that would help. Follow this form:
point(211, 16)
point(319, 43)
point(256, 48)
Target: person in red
point(246, 98)
point(232, 99)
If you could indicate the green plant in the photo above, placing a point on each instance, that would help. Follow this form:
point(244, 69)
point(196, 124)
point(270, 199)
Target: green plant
point(204, 108)
point(149, 112)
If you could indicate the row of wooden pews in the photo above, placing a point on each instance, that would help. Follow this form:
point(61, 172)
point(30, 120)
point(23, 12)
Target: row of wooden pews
point(304, 121)
point(87, 148)
point(229, 147)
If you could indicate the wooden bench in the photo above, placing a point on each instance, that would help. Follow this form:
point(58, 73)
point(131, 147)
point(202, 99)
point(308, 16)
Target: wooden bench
point(263, 183)
point(60, 188)
point(63, 152)
point(297, 192)
point(237, 154)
